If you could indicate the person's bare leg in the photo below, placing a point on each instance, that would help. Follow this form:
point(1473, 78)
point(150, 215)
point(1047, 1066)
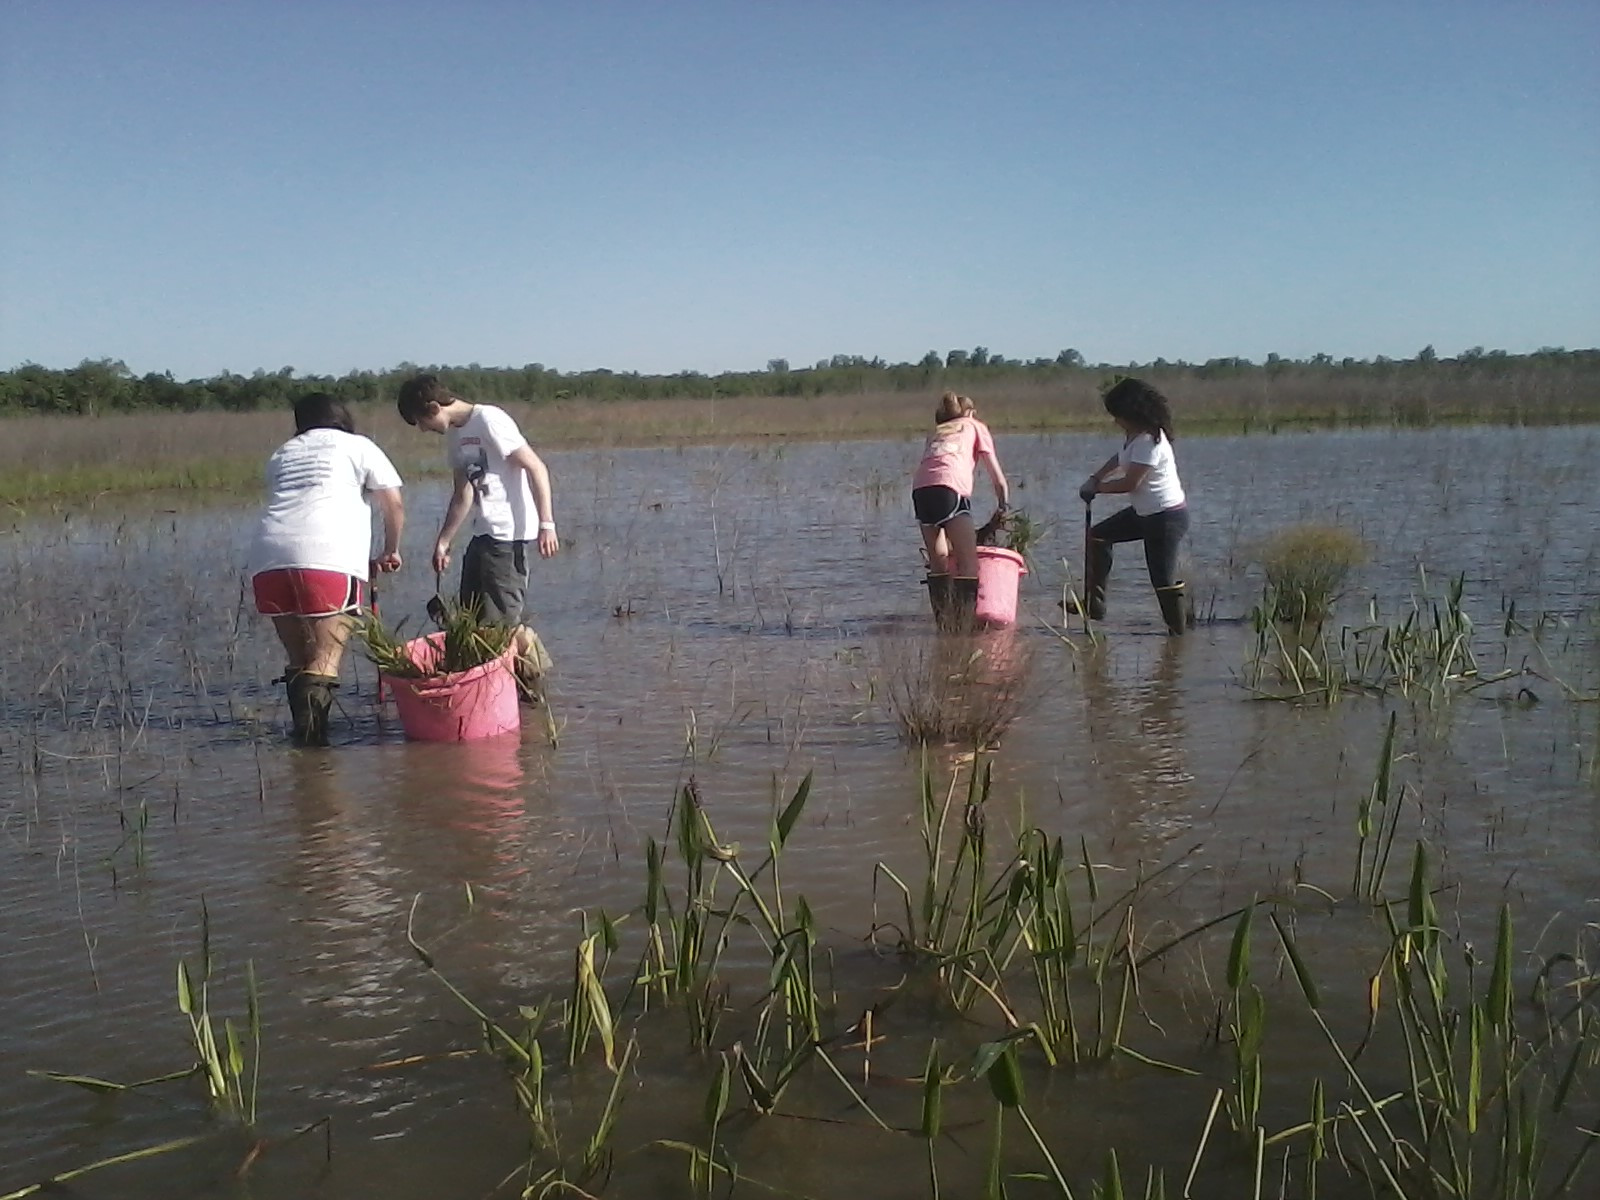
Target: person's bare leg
point(963, 538)
point(325, 639)
point(292, 632)
point(938, 547)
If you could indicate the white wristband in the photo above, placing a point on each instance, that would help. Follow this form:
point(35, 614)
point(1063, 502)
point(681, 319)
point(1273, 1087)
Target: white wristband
point(547, 525)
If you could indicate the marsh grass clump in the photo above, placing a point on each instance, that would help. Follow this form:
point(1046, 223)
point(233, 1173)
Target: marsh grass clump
point(468, 641)
point(956, 691)
point(1307, 568)
point(1011, 530)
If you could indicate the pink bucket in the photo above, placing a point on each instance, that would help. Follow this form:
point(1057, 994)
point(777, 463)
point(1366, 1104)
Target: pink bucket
point(459, 707)
point(999, 572)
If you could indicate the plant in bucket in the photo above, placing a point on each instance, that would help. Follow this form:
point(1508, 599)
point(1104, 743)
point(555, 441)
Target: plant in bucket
point(454, 685)
point(1001, 567)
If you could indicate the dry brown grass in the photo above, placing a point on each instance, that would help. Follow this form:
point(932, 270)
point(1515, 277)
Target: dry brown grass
point(79, 457)
point(961, 691)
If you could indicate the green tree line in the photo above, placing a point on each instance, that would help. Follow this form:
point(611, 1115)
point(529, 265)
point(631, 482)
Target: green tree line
point(108, 386)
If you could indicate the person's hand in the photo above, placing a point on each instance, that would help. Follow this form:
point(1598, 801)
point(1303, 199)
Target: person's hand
point(1089, 490)
point(387, 564)
point(549, 543)
point(441, 557)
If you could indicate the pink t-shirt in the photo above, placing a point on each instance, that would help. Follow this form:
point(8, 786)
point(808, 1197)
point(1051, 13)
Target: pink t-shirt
point(951, 453)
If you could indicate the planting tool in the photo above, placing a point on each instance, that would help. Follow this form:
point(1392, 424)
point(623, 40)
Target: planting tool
point(436, 609)
point(372, 597)
point(1088, 552)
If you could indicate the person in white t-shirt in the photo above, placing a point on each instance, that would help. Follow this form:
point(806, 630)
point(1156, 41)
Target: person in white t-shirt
point(1146, 471)
point(312, 553)
point(505, 487)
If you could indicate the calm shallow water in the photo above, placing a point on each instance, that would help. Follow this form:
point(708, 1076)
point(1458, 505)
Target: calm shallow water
point(730, 613)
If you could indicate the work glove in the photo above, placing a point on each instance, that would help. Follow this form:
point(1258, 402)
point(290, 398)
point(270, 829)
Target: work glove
point(1088, 491)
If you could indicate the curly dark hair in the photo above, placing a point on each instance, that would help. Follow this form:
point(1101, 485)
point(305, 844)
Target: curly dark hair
point(1140, 405)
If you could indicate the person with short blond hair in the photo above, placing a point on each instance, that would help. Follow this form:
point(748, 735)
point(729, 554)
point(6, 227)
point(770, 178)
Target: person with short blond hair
point(941, 496)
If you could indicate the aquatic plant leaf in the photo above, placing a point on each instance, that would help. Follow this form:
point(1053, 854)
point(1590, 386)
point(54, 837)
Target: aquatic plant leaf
point(932, 1094)
point(1239, 951)
point(1301, 974)
point(791, 811)
point(717, 1097)
point(1005, 1077)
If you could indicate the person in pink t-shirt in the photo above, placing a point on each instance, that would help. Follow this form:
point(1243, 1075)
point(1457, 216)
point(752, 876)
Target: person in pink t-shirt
point(941, 495)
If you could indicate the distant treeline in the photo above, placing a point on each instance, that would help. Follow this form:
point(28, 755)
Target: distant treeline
point(107, 386)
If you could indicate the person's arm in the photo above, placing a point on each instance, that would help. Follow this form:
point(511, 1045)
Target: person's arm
point(997, 477)
point(393, 509)
point(1127, 481)
point(1097, 483)
point(460, 506)
point(524, 459)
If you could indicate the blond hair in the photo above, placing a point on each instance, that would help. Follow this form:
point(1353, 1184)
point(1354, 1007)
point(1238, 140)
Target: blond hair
point(953, 406)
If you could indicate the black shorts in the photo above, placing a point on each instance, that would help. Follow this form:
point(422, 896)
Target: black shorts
point(494, 578)
point(938, 504)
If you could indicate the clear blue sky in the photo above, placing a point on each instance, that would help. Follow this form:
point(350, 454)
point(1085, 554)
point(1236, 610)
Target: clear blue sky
point(199, 186)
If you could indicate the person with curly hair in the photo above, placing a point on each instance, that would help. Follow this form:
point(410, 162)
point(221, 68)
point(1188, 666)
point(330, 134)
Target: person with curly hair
point(1146, 471)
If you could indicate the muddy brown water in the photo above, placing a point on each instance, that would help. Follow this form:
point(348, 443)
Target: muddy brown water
point(732, 614)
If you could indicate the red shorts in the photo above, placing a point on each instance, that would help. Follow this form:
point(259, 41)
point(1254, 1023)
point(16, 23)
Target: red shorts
point(306, 592)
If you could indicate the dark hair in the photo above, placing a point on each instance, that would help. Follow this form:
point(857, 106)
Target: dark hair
point(318, 410)
point(1140, 405)
point(418, 394)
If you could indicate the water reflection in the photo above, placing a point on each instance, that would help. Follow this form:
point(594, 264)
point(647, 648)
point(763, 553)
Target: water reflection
point(1136, 721)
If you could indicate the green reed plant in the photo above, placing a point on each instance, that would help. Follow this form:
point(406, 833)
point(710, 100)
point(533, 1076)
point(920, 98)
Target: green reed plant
point(229, 1059)
point(1476, 1111)
point(469, 641)
point(1025, 947)
point(1429, 652)
point(1377, 822)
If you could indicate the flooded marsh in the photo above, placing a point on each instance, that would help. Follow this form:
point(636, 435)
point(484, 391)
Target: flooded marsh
point(714, 924)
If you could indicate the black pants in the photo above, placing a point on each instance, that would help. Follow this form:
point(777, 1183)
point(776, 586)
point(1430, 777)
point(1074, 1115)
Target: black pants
point(1160, 532)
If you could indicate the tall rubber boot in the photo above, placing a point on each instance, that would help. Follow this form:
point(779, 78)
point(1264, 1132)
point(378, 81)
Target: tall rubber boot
point(1098, 565)
point(940, 599)
point(310, 701)
point(297, 707)
point(964, 605)
point(1174, 603)
point(1099, 572)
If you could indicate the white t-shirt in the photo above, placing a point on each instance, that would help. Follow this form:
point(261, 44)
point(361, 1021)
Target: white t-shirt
point(502, 496)
point(317, 514)
point(1159, 490)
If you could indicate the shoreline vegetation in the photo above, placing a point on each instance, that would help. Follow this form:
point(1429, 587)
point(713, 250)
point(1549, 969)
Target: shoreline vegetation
point(97, 430)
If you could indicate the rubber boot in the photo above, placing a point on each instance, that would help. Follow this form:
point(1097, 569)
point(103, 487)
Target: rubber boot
point(1174, 603)
point(940, 599)
point(1094, 587)
point(297, 708)
point(310, 702)
point(964, 605)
